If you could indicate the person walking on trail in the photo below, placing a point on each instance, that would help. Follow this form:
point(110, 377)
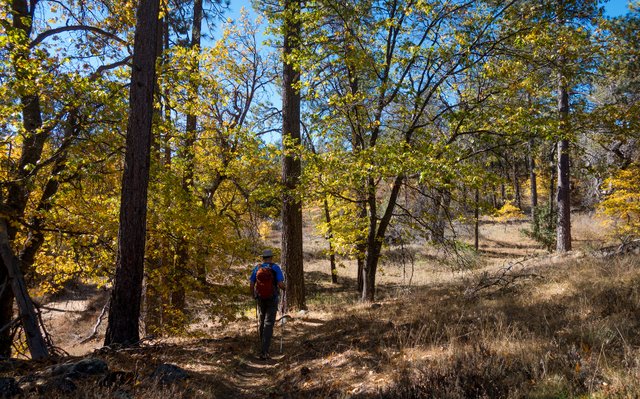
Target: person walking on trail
point(265, 280)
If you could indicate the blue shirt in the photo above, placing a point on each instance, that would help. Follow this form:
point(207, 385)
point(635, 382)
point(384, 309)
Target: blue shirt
point(276, 269)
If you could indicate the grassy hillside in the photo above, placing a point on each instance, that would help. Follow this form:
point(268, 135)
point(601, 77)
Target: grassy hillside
point(537, 326)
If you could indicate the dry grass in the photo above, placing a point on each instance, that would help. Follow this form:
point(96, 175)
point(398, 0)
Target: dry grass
point(569, 332)
point(561, 326)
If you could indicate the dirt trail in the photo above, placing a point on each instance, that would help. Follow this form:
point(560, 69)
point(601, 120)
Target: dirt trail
point(255, 378)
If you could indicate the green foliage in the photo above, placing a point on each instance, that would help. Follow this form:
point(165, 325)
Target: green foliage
point(543, 227)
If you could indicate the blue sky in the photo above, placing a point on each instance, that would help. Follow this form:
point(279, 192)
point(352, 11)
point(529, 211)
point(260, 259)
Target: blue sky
point(613, 8)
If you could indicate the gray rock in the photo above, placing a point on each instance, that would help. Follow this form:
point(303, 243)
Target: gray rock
point(90, 366)
point(84, 367)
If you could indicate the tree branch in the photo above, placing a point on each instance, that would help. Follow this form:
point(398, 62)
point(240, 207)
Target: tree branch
point(41, 37)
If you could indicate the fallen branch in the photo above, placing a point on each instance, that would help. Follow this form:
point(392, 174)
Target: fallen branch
point(504, 278)
point(632, 246)
point(105, 308)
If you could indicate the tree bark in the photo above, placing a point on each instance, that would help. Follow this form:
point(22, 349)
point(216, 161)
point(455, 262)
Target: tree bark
point(563, 226)
point(124, 311)
point(516, 184)
point(476, 217)
point(292, 257)
point(377, 232)
point(552, 186)
point(563, 243)
point(35, 339)
point(533, 180)
point(332, 255)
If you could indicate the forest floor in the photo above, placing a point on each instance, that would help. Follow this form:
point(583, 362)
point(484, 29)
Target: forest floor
point(515, 321)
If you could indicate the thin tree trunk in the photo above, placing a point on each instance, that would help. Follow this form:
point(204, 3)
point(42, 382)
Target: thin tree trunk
point(332, 255)
point(124, 311)
point(34, 336)
point(361, 251)
point(476, 217)
point(533, 180)
point(516, 184)
point(377, 232)
point(292, 257)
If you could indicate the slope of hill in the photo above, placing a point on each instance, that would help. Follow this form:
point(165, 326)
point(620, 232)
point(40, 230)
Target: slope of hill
point(538, 326)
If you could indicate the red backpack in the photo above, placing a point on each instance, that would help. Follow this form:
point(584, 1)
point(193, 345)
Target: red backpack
point(265, 282)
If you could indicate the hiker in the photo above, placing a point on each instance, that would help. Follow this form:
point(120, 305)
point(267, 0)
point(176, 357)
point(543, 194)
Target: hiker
point(265, 280)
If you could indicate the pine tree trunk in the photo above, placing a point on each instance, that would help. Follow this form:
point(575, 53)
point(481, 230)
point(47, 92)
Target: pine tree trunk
point(152, 300)
point(124, 310)
point(292, 260)
point(563, 226)
point(552, 187)
point(563, 231)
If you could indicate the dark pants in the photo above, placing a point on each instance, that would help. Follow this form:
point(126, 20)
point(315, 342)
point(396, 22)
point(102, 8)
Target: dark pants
point(268, 309)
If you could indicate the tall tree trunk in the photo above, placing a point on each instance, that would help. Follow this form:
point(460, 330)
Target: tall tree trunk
point(533, 182)
point(292, 258)
point(153, 303)
point(552, 187)
point(563, 227)
point(124, 311)
point(563, 243)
